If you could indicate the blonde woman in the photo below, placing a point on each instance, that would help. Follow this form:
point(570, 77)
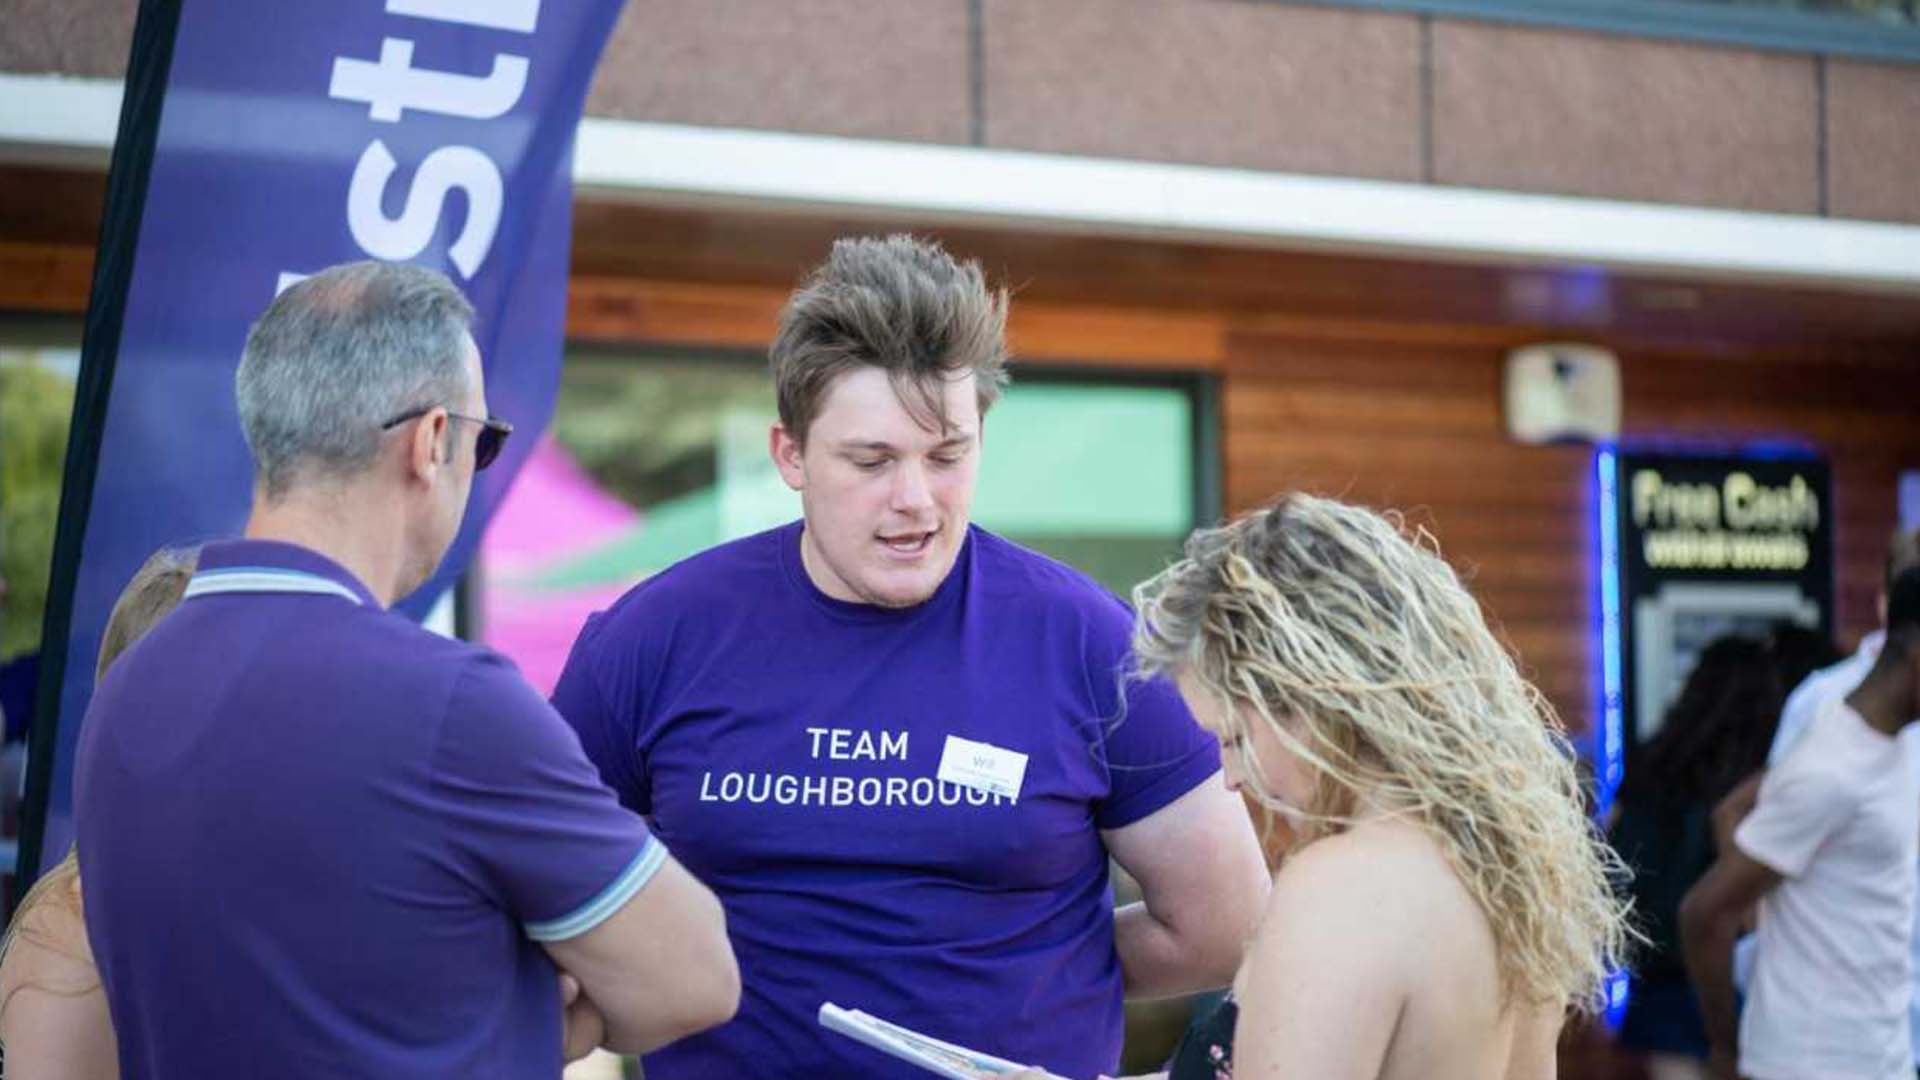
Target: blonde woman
point(1447, 900)
point(53, 1013)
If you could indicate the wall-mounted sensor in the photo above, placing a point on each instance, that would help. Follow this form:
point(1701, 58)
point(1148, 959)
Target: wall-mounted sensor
point(1562, 392)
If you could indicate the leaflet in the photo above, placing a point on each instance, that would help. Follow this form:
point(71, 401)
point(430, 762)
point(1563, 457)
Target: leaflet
point(937, 1057)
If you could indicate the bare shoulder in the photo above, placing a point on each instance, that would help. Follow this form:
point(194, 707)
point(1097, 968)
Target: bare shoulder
point(1383, 865)
point(49, 951)
point(1536, 1036)
point(1373, 889)
point(1322, 872)
point(53, 1013)
point(1336, 958)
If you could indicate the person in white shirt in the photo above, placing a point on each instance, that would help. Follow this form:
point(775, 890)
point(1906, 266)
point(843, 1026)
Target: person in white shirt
point(1831, 683)
point(1828, 853)
point(1816, 690)
point(1839, 680)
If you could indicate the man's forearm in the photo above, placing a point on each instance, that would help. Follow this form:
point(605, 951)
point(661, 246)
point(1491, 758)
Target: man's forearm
point(1159, 960)
point(1707, 943)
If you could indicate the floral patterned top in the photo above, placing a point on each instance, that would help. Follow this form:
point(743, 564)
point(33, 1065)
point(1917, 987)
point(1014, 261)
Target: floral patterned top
point(1206, 1051)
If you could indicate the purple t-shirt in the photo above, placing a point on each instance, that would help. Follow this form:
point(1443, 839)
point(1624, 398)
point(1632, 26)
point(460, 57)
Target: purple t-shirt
point(317, 840)
point(787, 746)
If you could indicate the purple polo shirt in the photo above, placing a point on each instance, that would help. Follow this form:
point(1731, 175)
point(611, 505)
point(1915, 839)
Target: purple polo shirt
point(788, 747)
point(320, 841)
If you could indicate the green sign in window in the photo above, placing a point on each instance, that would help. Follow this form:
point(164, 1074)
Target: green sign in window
point(1099, 475)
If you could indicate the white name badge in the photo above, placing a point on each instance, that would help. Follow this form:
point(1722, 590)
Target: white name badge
point(983, 767)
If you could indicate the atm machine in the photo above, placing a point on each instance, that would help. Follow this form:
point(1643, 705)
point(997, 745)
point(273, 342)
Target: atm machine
point(1694, 546)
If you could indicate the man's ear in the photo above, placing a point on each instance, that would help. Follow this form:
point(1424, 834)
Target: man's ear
point(427, 449)
point(788, 456)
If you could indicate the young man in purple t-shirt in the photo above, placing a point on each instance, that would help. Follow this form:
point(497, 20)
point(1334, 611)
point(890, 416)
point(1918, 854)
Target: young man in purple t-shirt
point(900, 748)
point(319, 841)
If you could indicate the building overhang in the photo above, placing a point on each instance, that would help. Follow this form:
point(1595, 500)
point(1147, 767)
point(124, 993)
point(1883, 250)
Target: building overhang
point(72, 121)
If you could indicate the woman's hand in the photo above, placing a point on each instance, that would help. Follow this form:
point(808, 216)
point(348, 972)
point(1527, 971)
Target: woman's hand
point(582, 1027)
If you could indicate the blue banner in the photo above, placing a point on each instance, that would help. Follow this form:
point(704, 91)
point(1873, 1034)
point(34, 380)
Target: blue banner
point(265, 140)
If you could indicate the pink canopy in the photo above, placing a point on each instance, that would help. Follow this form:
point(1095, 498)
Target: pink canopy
point(553, 512)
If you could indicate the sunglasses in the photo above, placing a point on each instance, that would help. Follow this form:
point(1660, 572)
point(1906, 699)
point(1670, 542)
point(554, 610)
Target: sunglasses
point(493, 432)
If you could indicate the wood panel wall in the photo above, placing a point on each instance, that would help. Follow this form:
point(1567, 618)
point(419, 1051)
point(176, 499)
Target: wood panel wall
point(1409, 417)
point(1417, 425)
point(1392, 414)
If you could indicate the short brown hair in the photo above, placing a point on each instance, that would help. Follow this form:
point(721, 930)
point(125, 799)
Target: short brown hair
point(900, 304)
point(156, 589)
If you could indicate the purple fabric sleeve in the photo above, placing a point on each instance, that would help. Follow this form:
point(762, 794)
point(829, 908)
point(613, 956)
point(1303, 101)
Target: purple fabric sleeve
point(1154, 750)
point(601, 720)
point(1155, 754)
point(526, 814)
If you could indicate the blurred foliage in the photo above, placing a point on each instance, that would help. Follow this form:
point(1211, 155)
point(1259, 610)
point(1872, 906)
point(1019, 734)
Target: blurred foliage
point(36, 405)
point(1892, 11)
point(646, 432)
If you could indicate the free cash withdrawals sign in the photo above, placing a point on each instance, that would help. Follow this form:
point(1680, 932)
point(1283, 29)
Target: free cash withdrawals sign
point(1710, 545)
point(261, 140)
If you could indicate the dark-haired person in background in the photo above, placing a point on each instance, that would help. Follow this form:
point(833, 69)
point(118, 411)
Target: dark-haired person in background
point(1828, 853)
point(1798, 652)
point(1714, 735)
point(1808, 696)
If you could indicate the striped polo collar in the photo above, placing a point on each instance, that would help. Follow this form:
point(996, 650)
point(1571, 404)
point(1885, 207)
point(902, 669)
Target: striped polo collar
point(270, 566)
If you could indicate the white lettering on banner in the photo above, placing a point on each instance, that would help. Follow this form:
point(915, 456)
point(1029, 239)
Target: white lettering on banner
point(391, 86)
point(401, 238)
point(787, 789)
point(517, 15)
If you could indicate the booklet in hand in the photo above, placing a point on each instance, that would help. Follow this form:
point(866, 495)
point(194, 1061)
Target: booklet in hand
point(940, 1058)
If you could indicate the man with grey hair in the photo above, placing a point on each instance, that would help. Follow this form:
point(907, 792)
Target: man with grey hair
point(379, 843)
point(898, 746)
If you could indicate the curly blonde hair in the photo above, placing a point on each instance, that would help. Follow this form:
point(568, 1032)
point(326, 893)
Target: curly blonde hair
point(1397, 694)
